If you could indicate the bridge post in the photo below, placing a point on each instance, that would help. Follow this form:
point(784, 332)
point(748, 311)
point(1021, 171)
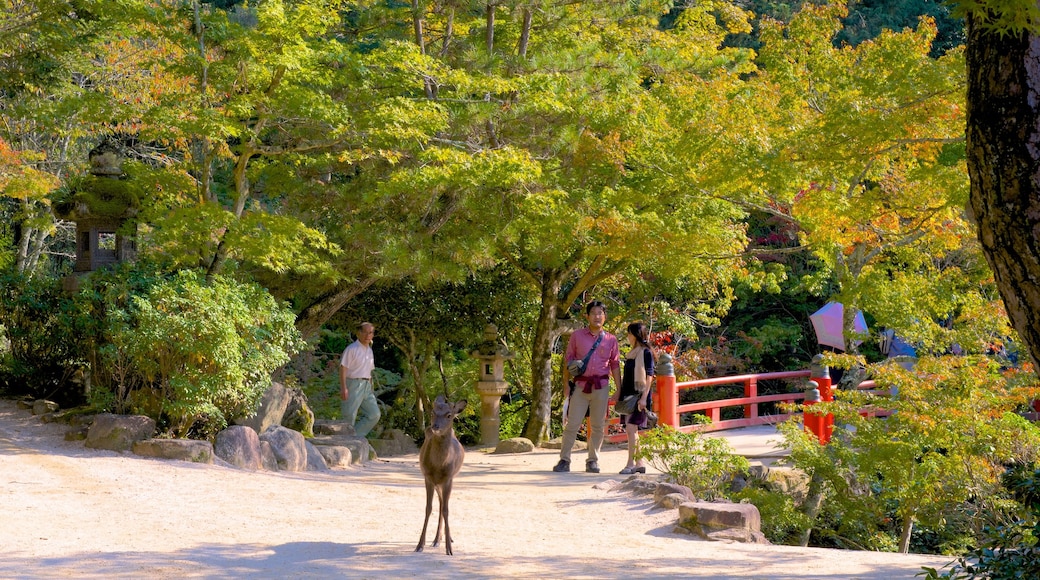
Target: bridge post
point(820, 377)
point(667, 395)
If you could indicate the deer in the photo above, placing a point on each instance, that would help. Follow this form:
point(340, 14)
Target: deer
point(440, 458)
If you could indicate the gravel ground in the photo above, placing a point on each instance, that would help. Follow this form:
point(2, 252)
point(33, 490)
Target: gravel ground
point(72, 512)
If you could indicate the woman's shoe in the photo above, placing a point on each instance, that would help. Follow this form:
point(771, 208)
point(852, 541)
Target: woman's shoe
point(629, 470)
point(639, 469)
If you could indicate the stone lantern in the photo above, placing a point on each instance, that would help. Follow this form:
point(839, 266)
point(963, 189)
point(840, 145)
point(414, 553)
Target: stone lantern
point(103, 207)
point(491, 385)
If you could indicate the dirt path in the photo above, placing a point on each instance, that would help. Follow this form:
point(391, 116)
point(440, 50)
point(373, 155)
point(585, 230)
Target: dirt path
point(71, 512)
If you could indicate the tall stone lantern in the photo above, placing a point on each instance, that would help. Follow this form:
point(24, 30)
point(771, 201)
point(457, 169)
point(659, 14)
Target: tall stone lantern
point(492, 355)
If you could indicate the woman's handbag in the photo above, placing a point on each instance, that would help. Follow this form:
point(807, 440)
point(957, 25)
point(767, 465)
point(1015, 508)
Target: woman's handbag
point(651, 419)
point(628, 405)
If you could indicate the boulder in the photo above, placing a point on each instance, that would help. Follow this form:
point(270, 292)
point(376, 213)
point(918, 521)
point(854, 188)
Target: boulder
point(315, 461)
point(738, 522)
point(670, 501)
point(42, 407)
point(326, 427)
point(393, 442)
point(239, 446)
point(118, 432)
point(182, 449)
point(289, 447)
point(666, 489)
point(335, 455)
point(267, 459)
point(361, 449)
point(271, 410)
point(515, 445)
point(298, 415)
point(785, 480)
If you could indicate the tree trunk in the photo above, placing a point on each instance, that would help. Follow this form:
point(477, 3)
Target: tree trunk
point(317, 313)
point(525, 34)
point(813, 503)
point(904, 538)
point(1003, 157)
point(537, 427)
point(489, 31)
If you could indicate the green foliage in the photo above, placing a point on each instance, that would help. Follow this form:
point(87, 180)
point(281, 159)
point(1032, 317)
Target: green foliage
point(782, 522)
point(205, 351)
point(698, 461)
point(951, 431)
point(35, 316)
point(1009, 551)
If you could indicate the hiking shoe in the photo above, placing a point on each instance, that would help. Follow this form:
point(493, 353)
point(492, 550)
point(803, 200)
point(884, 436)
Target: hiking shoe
point(563, 466)
point(592, 466)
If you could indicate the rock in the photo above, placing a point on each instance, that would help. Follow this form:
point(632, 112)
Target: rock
point(361, 449)
point(315, 460)
point(640, 484)
point(325, 427)
point(670, 501)
point(77, 433)
point(182, 449)
point(393, 442)
point(515, 445)
point(239, 446)
point(335, 455)
point(666, 489)
point(298, 415)
point(42, 406)
point(739, 522)
point(289, 447)
point(267, 459)
point(271, 410)
point(118, 432)
point(785, 480)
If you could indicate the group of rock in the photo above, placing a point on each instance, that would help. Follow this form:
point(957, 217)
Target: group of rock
point(281, 436)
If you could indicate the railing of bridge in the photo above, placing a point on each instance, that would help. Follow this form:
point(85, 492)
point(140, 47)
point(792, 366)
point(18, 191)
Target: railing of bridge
point(667, 407)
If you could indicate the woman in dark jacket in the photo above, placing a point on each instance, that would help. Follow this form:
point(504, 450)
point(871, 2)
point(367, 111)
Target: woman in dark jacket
point(636, 378)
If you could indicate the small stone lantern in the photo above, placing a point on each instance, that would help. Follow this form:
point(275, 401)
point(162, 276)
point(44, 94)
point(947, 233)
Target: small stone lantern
point(492, 385)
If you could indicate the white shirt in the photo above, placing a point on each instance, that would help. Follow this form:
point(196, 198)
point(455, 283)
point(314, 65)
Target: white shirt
point(358, 361)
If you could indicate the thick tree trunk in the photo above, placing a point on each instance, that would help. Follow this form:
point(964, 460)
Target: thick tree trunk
point(1003, 156)
point(537, 427)
point(310, 319)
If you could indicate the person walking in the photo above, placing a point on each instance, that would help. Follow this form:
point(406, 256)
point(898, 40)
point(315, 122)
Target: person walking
point(591, 384)
point(358, 405)
point(635, 380)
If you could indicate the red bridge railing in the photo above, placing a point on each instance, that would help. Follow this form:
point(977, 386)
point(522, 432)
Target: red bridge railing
point(666, 402)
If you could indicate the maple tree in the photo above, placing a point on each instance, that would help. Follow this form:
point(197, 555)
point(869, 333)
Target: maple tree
point(866, 156)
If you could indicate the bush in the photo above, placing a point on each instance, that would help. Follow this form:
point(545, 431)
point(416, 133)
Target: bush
point(702, 463)
point(185, 351)
point(1009, 551)
point(782, 522)
point(36, 316)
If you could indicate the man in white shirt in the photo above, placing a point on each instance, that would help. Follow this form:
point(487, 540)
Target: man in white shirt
point(358, 406)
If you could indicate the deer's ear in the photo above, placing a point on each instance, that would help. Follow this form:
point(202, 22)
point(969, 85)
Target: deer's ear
point(459, 406)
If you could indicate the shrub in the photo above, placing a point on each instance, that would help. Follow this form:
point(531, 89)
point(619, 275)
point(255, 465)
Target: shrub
point(702, 463)
point(782, 522)
point(190, 351)
point(41, 355)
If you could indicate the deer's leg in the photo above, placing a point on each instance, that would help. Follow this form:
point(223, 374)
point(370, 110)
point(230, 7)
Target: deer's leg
point(429, 509)
point(440, 515)
point(444, 516)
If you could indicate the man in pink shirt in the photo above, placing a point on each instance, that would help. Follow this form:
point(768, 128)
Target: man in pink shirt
point(592, 387)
